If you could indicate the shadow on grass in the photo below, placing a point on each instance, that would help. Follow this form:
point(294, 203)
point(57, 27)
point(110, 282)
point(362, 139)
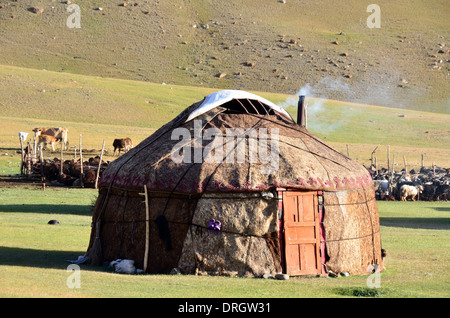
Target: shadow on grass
point(442, 209)
point(359, 292)
point(26, 257)
point(417, 223)
point(10, 149)
point(48, 208)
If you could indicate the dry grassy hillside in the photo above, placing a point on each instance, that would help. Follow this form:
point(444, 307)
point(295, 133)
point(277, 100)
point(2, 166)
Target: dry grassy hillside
point(260, 45)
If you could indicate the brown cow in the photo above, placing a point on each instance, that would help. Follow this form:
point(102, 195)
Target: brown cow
point(46, 139)
point(61, 134)
point(124, 144)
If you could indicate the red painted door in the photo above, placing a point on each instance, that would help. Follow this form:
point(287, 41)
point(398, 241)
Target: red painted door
point(301, 233)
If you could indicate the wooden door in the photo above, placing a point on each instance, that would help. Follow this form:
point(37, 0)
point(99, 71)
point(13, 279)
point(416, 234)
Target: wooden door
point(301, 233)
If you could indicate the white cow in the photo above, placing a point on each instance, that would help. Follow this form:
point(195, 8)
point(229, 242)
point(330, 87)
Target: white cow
point(23, 135)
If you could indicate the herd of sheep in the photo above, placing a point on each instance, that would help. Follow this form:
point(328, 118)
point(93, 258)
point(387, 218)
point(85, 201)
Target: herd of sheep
point(425, 185)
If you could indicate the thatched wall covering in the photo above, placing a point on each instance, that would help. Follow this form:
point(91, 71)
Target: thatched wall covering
point(247, 245)
point(249, 226)
point(352, 231)
point(123, 225)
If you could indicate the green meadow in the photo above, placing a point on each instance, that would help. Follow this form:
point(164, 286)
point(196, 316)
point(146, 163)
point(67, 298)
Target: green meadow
point(34, 254)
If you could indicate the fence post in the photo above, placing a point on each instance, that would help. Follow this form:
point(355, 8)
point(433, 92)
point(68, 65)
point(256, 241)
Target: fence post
point(61, 165)
point(41, 156)
point(99, 165)
point(29, 154)
point(34, 150)
point(388, 156)
point(23, 157)
point(404, 161)
point(393, 163)
point(81, 164)
point(372, 155)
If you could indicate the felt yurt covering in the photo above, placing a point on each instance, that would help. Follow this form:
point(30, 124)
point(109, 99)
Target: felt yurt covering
point(184, 199)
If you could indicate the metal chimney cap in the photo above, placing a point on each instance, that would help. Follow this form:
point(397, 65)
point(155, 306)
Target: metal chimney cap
point(301, 111)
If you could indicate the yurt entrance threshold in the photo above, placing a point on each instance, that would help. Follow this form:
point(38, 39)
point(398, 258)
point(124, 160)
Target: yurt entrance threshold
point(303, 250)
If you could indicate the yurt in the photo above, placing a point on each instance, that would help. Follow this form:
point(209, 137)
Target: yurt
point(234, 186)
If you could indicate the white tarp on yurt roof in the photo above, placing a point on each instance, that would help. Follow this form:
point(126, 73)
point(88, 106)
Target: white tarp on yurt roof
point(221, 97)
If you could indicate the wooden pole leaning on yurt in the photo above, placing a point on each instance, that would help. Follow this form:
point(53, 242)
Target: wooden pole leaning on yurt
point(147, 225)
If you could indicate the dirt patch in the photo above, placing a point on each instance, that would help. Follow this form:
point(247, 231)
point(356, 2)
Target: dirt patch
point(18, 181)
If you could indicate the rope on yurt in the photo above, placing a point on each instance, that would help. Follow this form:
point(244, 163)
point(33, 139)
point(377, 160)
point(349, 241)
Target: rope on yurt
point(351, 238)
point(306, 150)
point(355, 203)
point(199, 227)
point(314, 154)
point(300, 131)
point(371, 226)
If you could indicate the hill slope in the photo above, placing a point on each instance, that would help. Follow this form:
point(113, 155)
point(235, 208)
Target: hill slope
point(285, 46)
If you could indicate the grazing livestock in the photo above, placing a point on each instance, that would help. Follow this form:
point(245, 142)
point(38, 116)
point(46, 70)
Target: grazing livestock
point(46, 139)
point(435, 183)
point(410, 191)
point(443, 192)
point(124, 144)
point(429, 190)
point(61, 134)
point(381, 187)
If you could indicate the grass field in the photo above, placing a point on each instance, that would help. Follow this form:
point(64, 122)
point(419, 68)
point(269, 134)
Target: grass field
point(33, 256)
